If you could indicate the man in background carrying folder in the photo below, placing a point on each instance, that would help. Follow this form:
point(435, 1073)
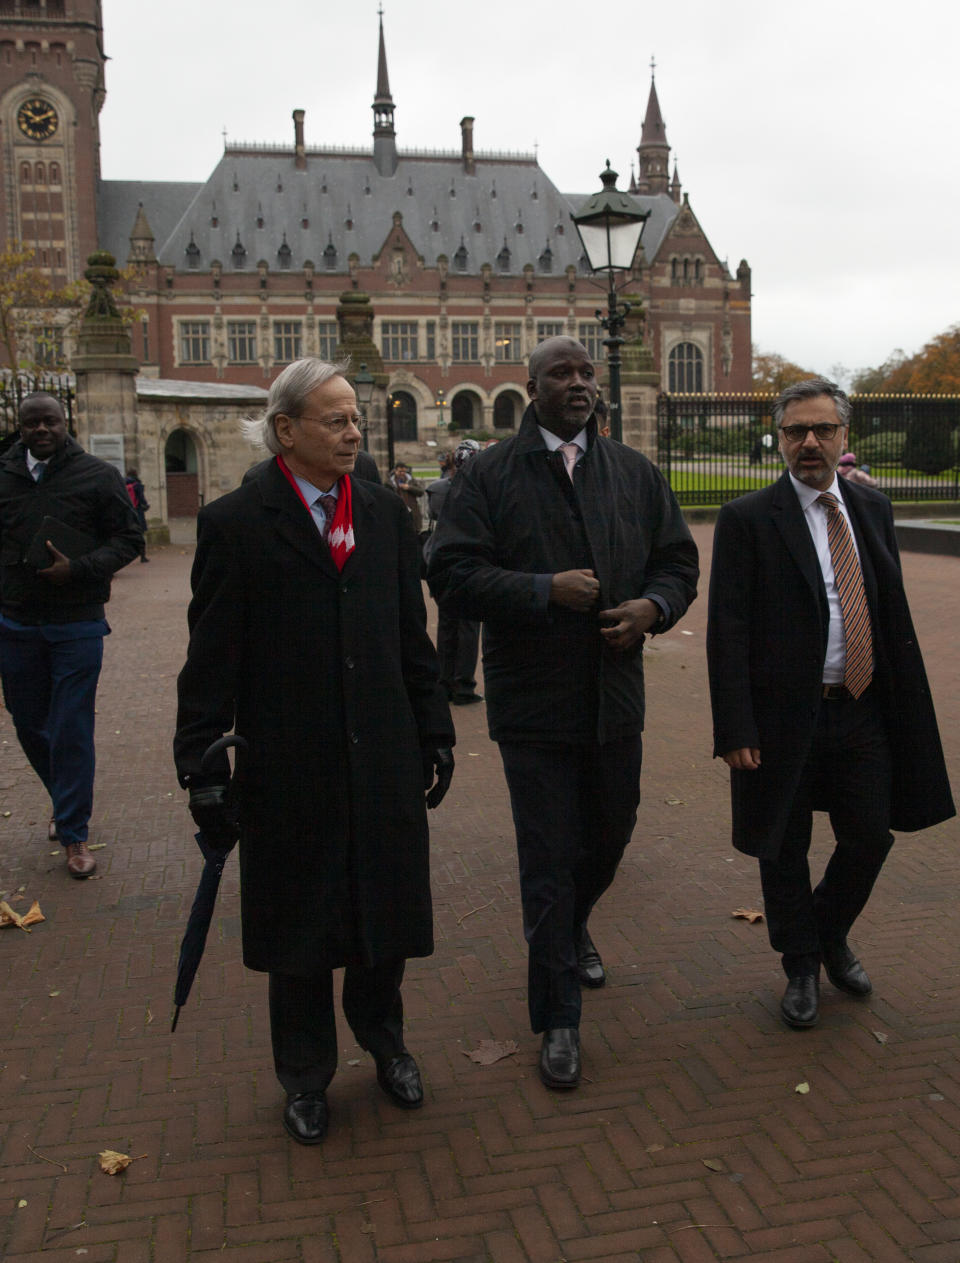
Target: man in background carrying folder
point(66, 526)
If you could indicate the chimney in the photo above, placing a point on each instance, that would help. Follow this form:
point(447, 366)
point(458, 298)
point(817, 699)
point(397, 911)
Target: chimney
point(300, 160)
point(466, 136)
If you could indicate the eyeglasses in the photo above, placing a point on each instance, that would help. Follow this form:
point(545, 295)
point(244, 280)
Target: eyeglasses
point(823, 430)
point(336, 425)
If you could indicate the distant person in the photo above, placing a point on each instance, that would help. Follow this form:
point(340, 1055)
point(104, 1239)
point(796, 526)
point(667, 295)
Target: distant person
point(848, 469)
point(820, 699)
point(52, 620)
point(410, 491)
point(138, 498)
point(458, 639)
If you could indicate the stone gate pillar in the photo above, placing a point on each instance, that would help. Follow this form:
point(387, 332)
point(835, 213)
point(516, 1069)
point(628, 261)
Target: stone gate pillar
point(639, 384)
point(106, 372)
point(355, 332)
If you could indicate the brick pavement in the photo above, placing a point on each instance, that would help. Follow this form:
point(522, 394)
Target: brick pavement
point(687, 1141)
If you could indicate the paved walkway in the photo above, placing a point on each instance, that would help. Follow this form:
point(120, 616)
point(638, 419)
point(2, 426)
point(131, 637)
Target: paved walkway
point(688, 1140)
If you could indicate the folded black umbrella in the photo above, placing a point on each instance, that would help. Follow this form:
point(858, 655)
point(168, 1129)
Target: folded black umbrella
point(201, 914)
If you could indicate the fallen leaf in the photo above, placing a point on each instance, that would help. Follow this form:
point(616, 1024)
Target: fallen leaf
point(96, 846)
point(880, 1037)
point(713, 1164)
point(747, 914)
point(51, 994)
point(654, 1148)
point(675, 802)
point(7, 815)
point(354, 1062)
point(802, 1088)
point(9, 917)
point(686, 633)
point(21, 1203)
point(112, 1163)
point(368, 1227)
point(490, 1050)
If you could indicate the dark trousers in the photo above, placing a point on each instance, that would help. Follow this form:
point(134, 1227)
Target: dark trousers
point(303, 1024)
point(458, 640)
point(50, 690)
point(848, 775)
point(574, 809)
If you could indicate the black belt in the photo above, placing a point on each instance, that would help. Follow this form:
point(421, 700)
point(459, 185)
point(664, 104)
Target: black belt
point(832, 691)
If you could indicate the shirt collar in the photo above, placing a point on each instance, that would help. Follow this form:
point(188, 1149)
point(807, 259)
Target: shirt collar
point(809, 495)
point(553, 441)
point(311, 493)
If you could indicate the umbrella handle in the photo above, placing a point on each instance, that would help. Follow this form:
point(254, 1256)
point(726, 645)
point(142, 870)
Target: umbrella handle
point(221, 744)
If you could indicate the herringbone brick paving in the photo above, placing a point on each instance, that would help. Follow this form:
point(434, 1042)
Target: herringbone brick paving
point(687, 1141)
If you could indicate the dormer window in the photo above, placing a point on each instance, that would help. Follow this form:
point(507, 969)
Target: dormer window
point(238, 254)
point(460, 257)
point(503, 258)
point(330, 256)
point(193, 254)
point(284, 254)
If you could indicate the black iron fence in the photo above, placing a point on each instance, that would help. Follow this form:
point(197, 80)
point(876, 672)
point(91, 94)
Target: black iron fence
point(713, 448)
point(15, 386)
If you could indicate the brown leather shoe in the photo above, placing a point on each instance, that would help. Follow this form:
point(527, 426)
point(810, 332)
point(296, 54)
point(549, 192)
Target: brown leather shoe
point(80, 863)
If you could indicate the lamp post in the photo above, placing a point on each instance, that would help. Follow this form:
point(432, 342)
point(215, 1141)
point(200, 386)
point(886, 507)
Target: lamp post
point(363, 384)
point(610, 224)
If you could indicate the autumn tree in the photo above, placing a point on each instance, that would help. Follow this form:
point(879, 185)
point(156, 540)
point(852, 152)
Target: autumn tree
point(932, 371)
point(773, 373)
point(27, 300)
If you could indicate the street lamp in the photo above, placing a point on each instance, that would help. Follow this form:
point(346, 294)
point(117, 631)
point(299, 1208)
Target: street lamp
point(610, 224)
point(363, 384)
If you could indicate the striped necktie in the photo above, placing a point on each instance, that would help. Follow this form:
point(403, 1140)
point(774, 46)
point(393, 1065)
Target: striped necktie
point(329, 505)
point(858, 669)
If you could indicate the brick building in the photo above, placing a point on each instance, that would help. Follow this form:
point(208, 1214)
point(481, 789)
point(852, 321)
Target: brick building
point(469, 257)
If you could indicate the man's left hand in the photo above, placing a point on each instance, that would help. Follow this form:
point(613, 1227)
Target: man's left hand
point(59, 571)
point(437, 759)
point(629, 622)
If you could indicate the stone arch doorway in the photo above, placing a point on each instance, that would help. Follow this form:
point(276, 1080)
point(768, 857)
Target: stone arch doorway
point(182, 472)
point(507, 410)
point(403, 413)
point(466, 411)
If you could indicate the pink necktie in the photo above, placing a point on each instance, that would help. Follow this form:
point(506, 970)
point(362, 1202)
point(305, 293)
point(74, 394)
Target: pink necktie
point(571, 454)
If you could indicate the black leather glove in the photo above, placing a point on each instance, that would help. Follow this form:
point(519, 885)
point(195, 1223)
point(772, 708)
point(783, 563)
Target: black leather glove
point(437, 759)
point(215, 818)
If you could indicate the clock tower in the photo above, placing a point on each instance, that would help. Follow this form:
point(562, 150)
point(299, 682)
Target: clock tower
point(51, 93)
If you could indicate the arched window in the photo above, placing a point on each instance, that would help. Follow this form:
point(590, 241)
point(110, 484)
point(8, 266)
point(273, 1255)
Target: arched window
point(403, 410)
point(674, 271)
point(507, 410)
point(26, 173)
point(686, 271)
point(686, 369)
point(41, 174)
point(54, 173)
point(465, 411)
point(697, 271)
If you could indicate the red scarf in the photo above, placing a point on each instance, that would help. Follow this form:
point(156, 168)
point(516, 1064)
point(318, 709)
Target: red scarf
point(340, 535)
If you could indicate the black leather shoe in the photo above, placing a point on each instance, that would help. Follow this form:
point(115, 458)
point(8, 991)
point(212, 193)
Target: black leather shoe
point(400, 1079)
point(844, 970)
point(560, 1057)
point(800, 1005)
point(589, 965)
point(305, 1117)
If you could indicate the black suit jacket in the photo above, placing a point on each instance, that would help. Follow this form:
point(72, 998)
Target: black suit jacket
point(766, 643)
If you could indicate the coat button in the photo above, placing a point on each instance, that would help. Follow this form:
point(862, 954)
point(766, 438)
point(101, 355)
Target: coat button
point(350, 664)
point(355, 738)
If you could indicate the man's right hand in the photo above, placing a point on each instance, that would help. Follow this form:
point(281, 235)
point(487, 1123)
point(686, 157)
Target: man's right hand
point(745, 760)
point(576, 590)
point(214, 817)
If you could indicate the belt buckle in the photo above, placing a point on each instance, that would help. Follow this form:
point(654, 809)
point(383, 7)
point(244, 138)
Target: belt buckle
point(833, 691)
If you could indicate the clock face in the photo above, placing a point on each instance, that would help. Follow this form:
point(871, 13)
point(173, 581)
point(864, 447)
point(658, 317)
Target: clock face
point(37, 118)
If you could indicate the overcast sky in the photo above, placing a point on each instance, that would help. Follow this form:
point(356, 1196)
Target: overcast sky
point(818, 141)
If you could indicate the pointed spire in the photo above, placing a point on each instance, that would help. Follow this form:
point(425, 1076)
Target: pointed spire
point(384, 135)
point(141, 239)
point(653, 151)
point(675, 183)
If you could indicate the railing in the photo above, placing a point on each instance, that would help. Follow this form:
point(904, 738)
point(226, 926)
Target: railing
point(713, 448)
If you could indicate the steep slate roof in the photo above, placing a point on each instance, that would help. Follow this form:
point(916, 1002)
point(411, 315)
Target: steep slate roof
point(341, 188)
point(117, 204)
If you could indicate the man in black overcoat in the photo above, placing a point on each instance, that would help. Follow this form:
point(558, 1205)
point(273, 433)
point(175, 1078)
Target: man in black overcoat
point(571, 549)
point(308, 636)
point(820, 698)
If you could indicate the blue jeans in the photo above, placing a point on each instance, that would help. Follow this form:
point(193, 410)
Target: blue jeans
point(50, 689)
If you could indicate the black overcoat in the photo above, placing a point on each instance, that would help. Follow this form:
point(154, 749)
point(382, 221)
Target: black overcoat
point(510, 521)
point(332, 680)
point(766, 644)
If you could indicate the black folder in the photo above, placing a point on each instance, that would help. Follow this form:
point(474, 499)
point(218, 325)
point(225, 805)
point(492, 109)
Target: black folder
point(71, 542)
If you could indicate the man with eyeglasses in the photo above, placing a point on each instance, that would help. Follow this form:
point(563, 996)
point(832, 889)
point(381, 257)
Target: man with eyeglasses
point(308, 638)
point(820, 698)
